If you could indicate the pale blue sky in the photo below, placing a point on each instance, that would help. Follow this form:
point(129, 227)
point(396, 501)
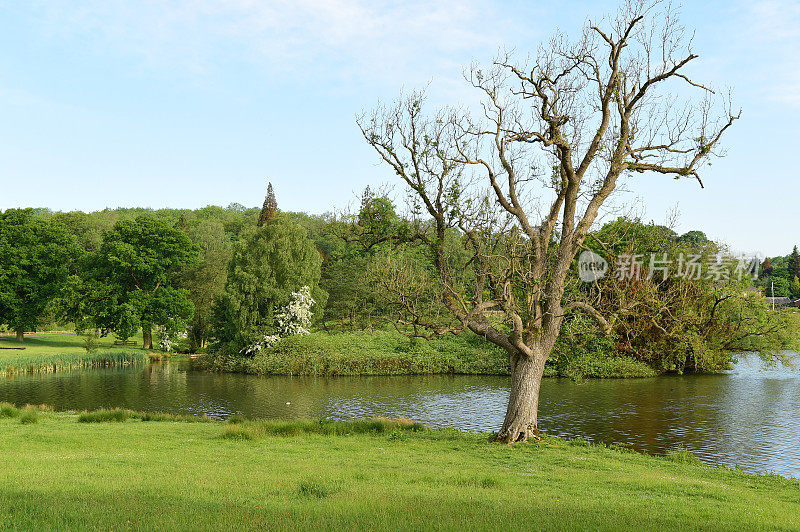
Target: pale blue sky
point(197, 102)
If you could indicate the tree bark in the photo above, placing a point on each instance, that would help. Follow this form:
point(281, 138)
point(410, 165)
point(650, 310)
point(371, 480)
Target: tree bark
point(147, 337)
point(20, 334)
point(523, 403)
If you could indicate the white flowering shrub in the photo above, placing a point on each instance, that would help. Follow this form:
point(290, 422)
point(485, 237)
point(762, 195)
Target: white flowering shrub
point(295, 318)
point(267, 341)
point(168, 339)
point(292, 320)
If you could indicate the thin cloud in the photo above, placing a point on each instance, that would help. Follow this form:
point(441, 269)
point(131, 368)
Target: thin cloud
point(773, 28)
point(361, 40)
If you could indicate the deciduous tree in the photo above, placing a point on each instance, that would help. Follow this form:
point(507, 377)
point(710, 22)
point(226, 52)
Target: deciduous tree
point(36, 259)
point(132, 280)
point(553, 140)
point(206, 279)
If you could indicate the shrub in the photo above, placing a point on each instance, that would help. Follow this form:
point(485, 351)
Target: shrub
point(590, 354)
point(8, 410)
point(606, 367)
point(29, 415)
point(116, 415)
point(90, 342)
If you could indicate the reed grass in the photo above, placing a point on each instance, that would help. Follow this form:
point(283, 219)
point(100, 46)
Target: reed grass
point(28, 416)
point(49, 353)
point(119, 415)
point(262, 428)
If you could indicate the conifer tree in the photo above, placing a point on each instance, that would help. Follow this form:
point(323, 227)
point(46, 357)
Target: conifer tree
point(270, 207)
point(794, 264)
point(767, 267)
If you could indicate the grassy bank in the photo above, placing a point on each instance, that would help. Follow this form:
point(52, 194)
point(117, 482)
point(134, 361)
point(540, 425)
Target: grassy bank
point(45, 353)
point(377, 352)
point(62, 474)
point(384, 352)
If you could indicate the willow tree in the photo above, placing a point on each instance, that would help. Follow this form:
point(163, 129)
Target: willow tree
point(265, 268)
point(523, 181)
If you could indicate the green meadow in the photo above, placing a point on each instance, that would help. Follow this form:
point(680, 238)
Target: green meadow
point(112, 470)
point(48, 352)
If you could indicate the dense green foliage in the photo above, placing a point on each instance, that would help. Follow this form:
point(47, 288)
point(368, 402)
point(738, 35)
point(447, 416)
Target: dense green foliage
point(582, 352)
point(272, 262)
point(353, 247)
point(206, 280)
point(386, 352)
point(61, 474)
point(780, 276)
point(36, 257)
point(375, 352)
point(131, 281)
point(680, 322)
point(136, 267)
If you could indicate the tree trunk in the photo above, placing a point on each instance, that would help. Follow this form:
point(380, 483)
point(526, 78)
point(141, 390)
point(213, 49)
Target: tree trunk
point(523, 401)
point(20, 334)
point(147, 337)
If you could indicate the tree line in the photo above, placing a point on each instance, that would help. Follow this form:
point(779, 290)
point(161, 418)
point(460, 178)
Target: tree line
point(780, 276)
point(219, 275)
point(215, 274)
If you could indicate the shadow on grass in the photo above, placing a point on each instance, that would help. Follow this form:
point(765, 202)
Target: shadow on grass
point(58, 343)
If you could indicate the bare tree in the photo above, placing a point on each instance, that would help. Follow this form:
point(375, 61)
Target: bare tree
point(523, 183)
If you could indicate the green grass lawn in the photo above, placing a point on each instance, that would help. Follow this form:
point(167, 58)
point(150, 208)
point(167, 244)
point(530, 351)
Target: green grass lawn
point(61, 474)
point(45, 352)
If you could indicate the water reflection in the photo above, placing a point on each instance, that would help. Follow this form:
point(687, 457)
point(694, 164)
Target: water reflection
point(750, 417)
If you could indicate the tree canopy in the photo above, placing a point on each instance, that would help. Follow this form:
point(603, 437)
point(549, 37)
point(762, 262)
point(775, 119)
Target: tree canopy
point(274, 261)
point(132, 280)
point(36, 256)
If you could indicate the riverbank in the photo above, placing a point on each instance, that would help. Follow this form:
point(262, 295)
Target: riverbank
point(62, 474)
point(47, 353)
point(383, 352)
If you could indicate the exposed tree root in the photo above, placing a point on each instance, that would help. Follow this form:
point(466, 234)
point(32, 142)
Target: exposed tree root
point(518, 435)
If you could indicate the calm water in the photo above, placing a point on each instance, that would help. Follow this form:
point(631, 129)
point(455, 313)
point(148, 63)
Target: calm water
point(750, 417)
